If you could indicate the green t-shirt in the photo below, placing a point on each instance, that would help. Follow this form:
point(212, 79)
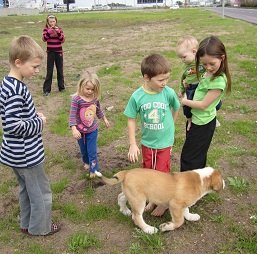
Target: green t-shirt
point(157, 125)
point(204, 116)
point(189, 75)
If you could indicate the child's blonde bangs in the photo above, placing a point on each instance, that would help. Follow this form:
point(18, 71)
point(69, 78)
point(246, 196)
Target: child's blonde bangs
point(92, 78)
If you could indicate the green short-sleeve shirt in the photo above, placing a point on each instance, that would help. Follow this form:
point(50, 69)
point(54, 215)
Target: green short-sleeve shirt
point(200, 116)
point(157, 125)
point(189, 75)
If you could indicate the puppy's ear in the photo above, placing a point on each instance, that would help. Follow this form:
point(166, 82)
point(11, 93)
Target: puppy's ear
point(216, 181)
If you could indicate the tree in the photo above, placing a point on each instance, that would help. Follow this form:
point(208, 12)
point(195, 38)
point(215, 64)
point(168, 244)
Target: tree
point(5, 3)
point(248, 3)
point(68, 3)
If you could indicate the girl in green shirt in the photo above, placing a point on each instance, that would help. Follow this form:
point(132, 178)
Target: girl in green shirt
point(213, 84)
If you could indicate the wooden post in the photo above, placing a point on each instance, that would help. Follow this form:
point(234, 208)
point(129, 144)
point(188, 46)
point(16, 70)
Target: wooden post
point(68, 7)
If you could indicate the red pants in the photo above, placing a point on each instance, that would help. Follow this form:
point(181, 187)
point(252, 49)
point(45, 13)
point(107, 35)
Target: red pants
point(158, 159)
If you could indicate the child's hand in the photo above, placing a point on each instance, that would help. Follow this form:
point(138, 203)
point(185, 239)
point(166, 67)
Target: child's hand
point(52, 32)
point(41, 115)
point(183, 99)
point(180, 94)
point(75, 133)
point(106, 122)
point(57, 30)
point(133, 153)
point(185, 84)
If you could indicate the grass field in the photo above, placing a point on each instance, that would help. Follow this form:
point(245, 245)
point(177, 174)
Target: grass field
point(113, 44)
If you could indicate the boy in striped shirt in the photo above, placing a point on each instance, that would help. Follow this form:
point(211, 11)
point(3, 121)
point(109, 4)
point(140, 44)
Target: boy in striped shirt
point(22, 147)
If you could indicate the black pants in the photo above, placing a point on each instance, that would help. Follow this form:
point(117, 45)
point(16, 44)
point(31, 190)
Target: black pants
point(57, 59)
point(197, 143)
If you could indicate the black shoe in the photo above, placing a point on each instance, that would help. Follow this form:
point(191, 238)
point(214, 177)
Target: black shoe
point(46, 94)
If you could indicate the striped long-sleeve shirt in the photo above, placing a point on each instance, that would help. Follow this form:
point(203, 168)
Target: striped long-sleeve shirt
point(53, 43)
point(22, 144)
point(80, 107)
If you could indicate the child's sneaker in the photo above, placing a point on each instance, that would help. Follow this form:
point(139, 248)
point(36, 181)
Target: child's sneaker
point(55, 227)
point(94, 174)
point(98, 174)
point(25, 231)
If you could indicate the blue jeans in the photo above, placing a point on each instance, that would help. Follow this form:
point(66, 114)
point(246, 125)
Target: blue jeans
point(88, 150)
point(35, 199)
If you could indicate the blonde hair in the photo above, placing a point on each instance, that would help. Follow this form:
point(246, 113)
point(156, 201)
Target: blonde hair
point(24, 48)
point(187, 42)
point(86, 77)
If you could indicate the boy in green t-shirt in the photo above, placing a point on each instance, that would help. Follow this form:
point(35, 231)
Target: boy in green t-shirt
point(157, 105)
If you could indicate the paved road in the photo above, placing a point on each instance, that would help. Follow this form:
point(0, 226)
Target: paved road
point(249, 15)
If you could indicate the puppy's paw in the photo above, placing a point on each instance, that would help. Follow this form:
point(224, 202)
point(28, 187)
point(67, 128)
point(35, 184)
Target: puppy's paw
point(192, 217)
point(125, 211)
point(150, 230)
point(167, 226)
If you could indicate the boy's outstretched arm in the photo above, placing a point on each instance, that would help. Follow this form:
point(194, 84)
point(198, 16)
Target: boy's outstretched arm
point(175, 115)
point(134, 151)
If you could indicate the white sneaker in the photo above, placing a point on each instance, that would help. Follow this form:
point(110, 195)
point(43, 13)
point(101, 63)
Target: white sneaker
point(98, 174)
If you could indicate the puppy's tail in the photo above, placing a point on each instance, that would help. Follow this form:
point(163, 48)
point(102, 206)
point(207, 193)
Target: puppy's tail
point(117, 178)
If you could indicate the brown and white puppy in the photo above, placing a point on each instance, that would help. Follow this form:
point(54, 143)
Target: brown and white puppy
point(177, 191)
